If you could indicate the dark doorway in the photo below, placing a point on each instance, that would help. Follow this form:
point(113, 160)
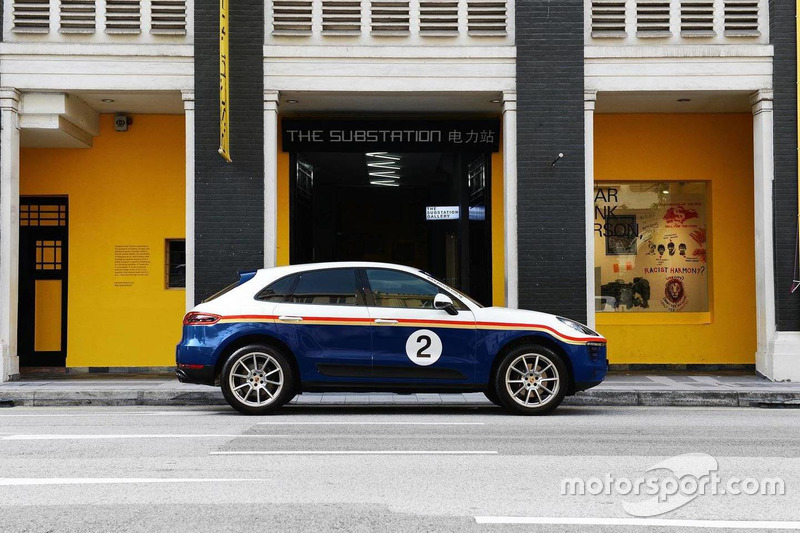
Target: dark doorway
point(42, 325)
point(427, 210)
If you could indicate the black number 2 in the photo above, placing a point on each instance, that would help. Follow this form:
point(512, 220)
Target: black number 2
point(427, 340)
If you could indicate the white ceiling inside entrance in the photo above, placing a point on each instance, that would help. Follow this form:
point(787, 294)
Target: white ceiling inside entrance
point(142, 102)
point(293, 102)
point(673, 102)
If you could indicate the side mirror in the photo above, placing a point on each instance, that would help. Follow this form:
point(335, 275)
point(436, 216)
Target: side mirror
point(442, 301)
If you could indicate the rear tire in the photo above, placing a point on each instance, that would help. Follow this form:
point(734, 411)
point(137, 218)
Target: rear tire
point(257, 379)
point(531, 380)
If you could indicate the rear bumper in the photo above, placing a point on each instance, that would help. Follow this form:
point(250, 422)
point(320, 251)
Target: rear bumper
point(204, 375)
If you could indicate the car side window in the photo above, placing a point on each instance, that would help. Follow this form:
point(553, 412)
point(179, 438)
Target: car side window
point(327, 287)
point(278, 290)
point(392, 288)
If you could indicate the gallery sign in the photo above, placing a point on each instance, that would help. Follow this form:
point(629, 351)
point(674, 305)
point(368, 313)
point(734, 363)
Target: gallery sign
point(391, 135)
point(444, 212)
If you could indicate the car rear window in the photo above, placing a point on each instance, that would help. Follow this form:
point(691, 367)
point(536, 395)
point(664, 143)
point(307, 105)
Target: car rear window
point(277, 291)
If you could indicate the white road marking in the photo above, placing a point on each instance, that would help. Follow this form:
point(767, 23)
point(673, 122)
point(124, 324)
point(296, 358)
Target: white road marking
point(145, 436)
point(123, 413)
point(370, 423)
point(358, 452)
point(641, 522)
point(16, 482)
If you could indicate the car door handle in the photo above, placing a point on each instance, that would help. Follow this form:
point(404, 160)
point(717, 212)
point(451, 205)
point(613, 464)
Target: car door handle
point(291, 318)
point(385, 321)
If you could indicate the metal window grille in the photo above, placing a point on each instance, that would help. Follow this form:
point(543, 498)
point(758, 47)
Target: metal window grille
point(486, 17)
point(608, 18)
point(438, 18)
point(168, 17)
point(123, 16)
point(390, 17)
point(291, 17)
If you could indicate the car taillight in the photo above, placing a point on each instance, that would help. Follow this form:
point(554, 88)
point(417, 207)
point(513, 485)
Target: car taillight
point(200, 319)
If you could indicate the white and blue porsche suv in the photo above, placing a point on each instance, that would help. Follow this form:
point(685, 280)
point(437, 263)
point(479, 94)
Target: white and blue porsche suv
point(361, 327)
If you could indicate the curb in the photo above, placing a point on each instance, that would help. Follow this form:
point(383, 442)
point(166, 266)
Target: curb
point(213, 397)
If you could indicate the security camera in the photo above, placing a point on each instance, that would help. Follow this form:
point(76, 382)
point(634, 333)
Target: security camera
point(121, 122)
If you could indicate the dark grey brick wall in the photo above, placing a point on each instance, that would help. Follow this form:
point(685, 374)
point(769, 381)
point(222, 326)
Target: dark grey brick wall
point(783, 36)
point(551, 218)
point(229, 202)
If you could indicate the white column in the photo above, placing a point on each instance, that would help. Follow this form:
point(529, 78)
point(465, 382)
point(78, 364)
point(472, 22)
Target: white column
point(589, 101)
point(188, 110)
point(9, 231)
point(778, 352)
point(510, 197)
point(270, 178)
point(763, 176)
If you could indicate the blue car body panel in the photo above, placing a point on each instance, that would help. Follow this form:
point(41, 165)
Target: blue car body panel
point(312, 345)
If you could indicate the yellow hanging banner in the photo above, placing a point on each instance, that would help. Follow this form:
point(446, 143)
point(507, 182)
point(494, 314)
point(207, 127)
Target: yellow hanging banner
point(224, 81)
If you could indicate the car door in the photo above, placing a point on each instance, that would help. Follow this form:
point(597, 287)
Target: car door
point(411, 341)
point(326, 324)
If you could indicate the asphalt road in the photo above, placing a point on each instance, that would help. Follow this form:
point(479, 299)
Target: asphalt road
point(390, 469)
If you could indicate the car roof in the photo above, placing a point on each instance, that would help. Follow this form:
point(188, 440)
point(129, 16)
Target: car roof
point(290, 269)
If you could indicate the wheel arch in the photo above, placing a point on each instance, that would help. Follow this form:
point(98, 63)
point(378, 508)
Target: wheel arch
point(542, 340)
point(257, 338)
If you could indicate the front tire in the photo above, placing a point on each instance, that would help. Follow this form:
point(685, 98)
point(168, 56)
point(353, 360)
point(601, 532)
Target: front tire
point(531, 380)
point(257, 379)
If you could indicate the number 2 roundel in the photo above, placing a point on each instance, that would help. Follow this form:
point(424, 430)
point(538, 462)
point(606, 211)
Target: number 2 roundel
point(424, 347)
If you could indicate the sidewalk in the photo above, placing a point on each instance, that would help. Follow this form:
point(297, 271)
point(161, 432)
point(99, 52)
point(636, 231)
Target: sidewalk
point(620, 389)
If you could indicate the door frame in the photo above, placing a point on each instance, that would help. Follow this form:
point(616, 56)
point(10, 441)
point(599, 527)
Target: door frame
point(26, 330)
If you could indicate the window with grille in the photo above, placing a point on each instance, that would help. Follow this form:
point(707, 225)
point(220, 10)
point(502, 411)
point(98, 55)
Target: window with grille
point(697, 18)
point(741, 18)
point(652, 18)
point(48, 255)
point(168, 17)
point(438, 17)
point(608, 18)
point(31, 16)
point(486, 17)
point(77, 16)
point(341, 17)
point(123, 16)
point(42, 215)
point(389, 17)
point(291, 17)
point(176, 263)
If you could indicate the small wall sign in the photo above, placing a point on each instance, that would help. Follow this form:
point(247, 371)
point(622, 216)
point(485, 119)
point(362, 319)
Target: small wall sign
point(441, 212)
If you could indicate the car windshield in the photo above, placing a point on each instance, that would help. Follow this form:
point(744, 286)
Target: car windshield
point(451, 289)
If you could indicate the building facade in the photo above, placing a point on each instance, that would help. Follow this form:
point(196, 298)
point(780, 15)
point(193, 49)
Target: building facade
point(628, 163)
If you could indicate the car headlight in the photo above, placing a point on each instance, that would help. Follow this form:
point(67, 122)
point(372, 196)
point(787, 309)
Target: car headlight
point(577, 326)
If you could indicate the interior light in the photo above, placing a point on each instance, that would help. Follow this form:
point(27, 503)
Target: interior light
point(291, 101)
point(683, 100)
point(665, 191)
point(383, 167)
point(107, 100)
point(495, 101)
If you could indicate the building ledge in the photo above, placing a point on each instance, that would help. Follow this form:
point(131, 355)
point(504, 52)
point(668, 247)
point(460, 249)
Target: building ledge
point(678, 51)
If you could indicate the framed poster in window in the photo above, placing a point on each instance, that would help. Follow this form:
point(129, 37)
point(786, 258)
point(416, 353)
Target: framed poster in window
point(622, 235)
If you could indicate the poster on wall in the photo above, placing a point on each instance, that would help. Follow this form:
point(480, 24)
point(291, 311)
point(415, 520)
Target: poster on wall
point(651, 247)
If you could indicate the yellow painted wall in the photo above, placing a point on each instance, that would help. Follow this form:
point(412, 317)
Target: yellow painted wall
point(128, 189)
point(498, 234)
point(717, 149)
point(283, 204)
point(498, 231)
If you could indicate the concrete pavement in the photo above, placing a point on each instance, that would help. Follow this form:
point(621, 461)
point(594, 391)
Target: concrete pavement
point(620, 389)
point(139, 469)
